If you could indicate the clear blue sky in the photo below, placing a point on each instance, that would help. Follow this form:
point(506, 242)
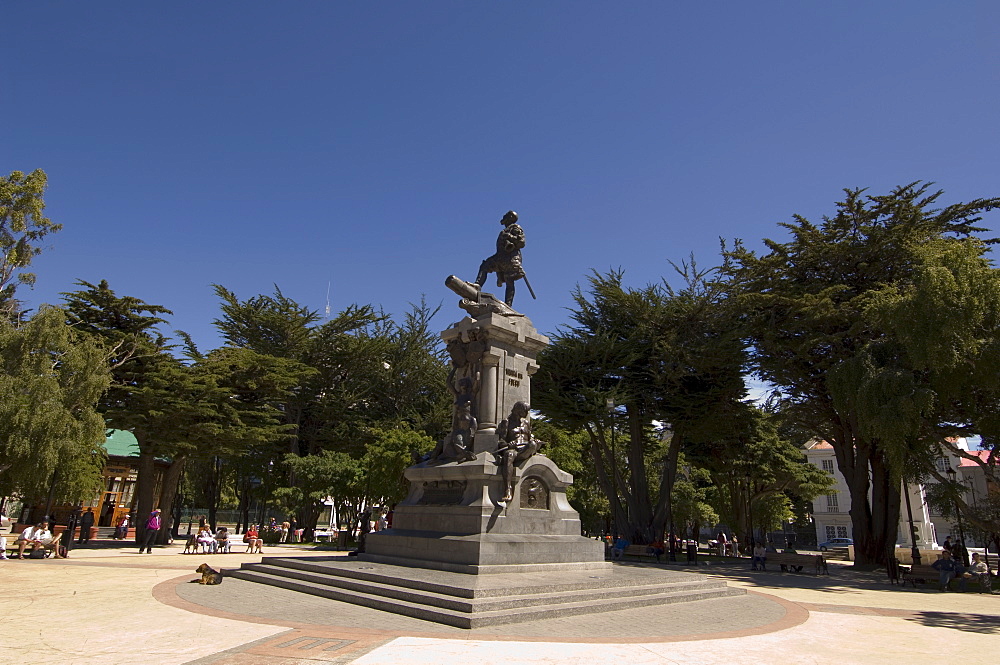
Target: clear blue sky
point(375, 145)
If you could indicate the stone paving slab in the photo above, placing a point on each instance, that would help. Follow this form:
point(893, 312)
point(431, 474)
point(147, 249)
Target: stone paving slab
point(101, 608)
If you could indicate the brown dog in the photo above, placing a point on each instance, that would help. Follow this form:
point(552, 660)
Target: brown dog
point(191, 546)
point(208, 574)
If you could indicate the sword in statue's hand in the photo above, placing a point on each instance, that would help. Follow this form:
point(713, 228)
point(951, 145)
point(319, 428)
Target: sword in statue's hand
point(530, 290)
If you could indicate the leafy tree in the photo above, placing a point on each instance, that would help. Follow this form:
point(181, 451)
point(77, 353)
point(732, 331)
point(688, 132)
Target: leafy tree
point(142, 372)
point(811, 313)
point(690, 499)
point(657, 355)
point(756, 471)
point(570, 452)
point(51, 381)
point(249, 423)
point(325, 474)
point(953, 364)
point(23, 225)
point(365, 375)
point(386, 457)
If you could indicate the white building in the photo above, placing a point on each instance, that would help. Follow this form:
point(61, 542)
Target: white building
point(831, 511)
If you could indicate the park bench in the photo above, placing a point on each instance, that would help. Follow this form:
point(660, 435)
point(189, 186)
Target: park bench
point(12, 546)
point(816, 563)
point(925, 574)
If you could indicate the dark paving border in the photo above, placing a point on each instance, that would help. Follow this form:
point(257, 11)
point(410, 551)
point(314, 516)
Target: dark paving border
point(735, 616)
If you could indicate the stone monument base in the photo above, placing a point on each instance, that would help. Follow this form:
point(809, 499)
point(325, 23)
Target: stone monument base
point(455, 519)
point(473, 601)
point(491, 553)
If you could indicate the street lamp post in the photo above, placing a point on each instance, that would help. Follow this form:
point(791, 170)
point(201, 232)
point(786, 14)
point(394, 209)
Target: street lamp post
point(614, 460)
point(952, 474)
point(914, 550)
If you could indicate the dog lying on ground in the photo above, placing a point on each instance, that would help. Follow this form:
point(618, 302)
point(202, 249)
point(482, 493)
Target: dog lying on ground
point(191, 546)
point(209, 575)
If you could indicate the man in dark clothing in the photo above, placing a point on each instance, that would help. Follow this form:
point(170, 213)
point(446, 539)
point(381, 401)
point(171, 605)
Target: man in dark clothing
point(86, 522)
point(948, 569)
point(506, 263)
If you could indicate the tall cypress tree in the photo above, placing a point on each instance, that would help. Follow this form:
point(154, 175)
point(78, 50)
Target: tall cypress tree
point(843, 374)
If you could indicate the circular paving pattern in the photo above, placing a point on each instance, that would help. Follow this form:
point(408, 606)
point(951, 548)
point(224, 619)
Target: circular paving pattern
point(734, 616)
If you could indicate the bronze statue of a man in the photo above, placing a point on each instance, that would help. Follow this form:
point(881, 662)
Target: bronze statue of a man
point(506, 263)
point(515, 444)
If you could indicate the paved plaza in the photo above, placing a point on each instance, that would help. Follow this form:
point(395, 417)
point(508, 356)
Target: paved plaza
point(111, 606)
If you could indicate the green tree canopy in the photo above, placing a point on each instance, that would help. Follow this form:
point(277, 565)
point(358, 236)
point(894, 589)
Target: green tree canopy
point(811, 313)
point(52, 379)
point(23, 225)
point(636, 359)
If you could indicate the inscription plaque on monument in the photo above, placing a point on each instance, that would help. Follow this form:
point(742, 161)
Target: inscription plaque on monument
point(443, 492)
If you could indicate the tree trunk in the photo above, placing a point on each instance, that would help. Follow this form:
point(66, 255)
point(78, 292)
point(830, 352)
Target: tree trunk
point(641, 515)
point(663, 517)
point(144, 482)
point(886, 498)
point(607, 485)
point(171, 480)
point(214, 481)
point(244, 509)
point(866, 543)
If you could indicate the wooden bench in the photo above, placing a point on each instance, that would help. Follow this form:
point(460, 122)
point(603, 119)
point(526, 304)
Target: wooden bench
point(925, 574)
point(12, 546)
point(797, 562)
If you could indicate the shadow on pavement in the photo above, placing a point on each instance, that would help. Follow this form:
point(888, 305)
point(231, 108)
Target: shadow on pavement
point(841, 580)
point(972, 623)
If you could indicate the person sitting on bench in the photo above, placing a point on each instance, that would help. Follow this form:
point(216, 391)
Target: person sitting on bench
point(38, 537)
point(222, 540)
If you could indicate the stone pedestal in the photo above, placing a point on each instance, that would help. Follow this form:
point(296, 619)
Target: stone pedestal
point(453, 520)
point(454, 517)
point(501, 351)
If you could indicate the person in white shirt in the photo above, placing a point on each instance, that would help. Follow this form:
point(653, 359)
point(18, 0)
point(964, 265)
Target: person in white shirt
point(980, 571)
point(206, 539)
point(37, 536)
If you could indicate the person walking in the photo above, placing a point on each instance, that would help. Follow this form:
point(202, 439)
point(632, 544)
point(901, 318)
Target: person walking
point(151, 531)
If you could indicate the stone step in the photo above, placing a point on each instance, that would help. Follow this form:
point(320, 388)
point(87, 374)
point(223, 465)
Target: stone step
point(475, 618)
point(514, 599)
point(456, 584)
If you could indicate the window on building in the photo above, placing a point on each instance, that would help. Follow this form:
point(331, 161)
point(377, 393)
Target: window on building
point(841, 532)
point(942, 464)
point(831, 532)
point(828, 465)
point(831, 503)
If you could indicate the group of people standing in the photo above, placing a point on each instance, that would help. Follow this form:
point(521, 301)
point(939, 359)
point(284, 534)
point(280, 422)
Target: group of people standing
point(727, 547)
